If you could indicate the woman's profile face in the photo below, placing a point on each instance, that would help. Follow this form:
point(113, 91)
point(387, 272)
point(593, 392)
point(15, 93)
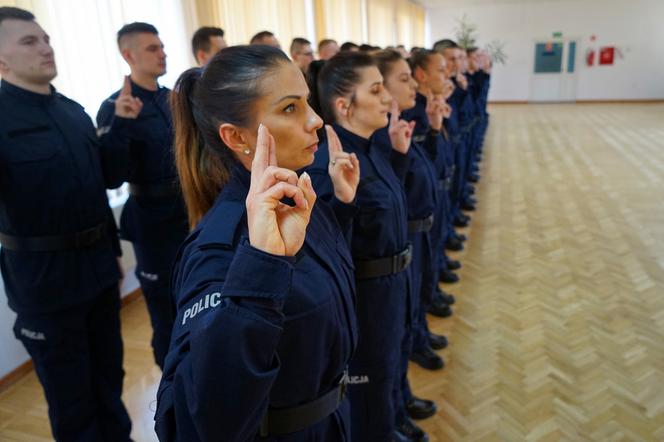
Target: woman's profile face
point(401, 84)
point(371, 102)
point(284, 110)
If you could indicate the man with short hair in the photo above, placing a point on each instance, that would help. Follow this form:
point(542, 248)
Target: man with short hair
point(327, 48)
point(301, 53)
point(206, 42)
point(59, 240)
point(135, 123)
point(349, 46)
point(265, 38)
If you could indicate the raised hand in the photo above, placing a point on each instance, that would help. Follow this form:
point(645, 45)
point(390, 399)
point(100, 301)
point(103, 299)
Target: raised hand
point(447, 110)
point(127, 106)
point(462, 80)
point(435, 110)
point(448, 89)
point(275, 227)
point(344, 168)
point(400, 131)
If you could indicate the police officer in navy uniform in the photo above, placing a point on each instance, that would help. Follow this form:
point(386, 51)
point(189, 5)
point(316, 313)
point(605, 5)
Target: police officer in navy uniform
point(479, 71)
point(140, 141)
point(420, 185)
point(428, 69)
point(457, 126)
point(264, 284)
point(59, 242)
point(350, 93)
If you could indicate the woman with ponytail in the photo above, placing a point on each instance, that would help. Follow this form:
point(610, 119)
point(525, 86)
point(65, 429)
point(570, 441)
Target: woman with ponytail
point(420, 186)
point(263, 286)
point(352, 97)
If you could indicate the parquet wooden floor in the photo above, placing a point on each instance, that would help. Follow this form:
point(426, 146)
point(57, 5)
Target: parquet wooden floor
point(558, 332)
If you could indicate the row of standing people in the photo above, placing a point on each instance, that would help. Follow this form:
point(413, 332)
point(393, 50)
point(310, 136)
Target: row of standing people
point(236, 266)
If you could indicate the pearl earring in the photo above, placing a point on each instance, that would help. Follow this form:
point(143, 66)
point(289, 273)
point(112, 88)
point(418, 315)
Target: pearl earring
point(246, 151)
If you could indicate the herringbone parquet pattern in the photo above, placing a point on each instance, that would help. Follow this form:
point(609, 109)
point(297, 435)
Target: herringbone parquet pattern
point(559, 325)
point(558, 332)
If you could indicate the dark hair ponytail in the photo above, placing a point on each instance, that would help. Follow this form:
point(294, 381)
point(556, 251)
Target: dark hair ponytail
point(385, 60)
point(225, 91)
point(339, 77)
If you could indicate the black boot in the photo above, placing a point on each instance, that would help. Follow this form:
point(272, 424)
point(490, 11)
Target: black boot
point(460, 236)
point(398, 436)
point(468, 207)
point(453, 264)
point(437, 342)
point(460, 221)
point(428, 359)
point(439, 307)
point(413, 432)
point(420, 408)
point(447, 298)
point(453, 244)
point(448, 276)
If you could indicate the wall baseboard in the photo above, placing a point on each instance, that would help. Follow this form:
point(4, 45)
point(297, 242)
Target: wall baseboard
point(640, 101)
point(25, 368)
point(131, 297)
point(15, 375)
point(509, 102)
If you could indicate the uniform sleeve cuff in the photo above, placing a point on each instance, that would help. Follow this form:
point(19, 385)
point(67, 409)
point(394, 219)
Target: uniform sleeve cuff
point(344, 210)
point(121, 122)
point(254, 273)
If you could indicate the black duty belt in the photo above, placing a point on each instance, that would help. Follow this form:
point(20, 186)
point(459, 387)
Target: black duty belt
point(289, 420)
point(420, 225)
point(153, 190)
point(77, 240)
point(375, 268)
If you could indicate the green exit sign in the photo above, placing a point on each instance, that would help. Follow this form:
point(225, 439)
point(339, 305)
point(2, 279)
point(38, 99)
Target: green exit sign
point(557, 35)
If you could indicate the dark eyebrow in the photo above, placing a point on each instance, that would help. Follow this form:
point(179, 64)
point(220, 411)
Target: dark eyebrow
point(296, 97)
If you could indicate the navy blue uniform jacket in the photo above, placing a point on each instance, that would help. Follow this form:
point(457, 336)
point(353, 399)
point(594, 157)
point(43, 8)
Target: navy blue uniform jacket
point(141, 151)
point(51, 183)
point(420, 182)
point(380, 225)
point(255, 330)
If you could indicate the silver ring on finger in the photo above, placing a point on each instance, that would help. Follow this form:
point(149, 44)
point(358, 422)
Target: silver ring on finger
point(333, 162)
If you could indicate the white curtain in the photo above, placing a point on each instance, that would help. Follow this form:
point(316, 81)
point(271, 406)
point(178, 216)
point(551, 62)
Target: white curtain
point(83, 35)
point(241, 19)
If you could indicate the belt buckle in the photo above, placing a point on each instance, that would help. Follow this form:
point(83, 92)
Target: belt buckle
point(406, 255)
point(429, 222)
point(409, 256)
point(343, 385)
point(90, 236)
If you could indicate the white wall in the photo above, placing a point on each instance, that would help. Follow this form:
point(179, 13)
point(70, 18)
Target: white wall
point(634, 26)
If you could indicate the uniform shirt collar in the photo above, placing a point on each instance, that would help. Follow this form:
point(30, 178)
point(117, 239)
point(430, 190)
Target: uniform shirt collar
point(420, 99)
point(26, 96)
point(138, 91)
point(241, 174)
point(352, 139)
